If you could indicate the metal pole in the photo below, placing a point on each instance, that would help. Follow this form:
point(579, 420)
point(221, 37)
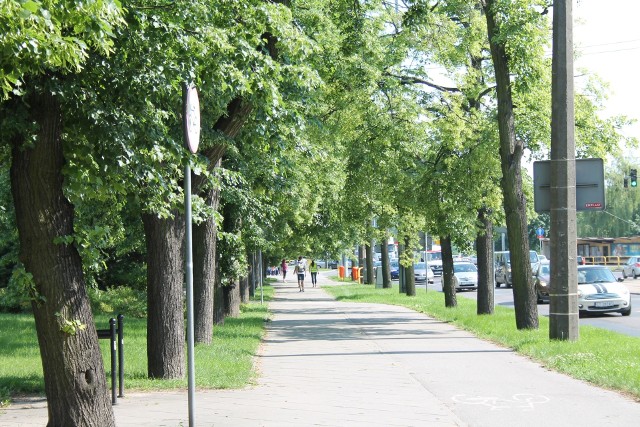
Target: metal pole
point(189, 279)
point(112, 342)
point(121, 354)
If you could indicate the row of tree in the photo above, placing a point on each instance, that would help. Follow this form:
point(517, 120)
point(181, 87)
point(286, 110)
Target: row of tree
point(318, 117)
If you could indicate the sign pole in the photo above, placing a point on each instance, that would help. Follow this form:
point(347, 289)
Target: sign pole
point(191, 120)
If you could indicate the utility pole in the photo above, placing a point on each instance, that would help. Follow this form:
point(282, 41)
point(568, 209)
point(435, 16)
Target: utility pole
point(563, 308)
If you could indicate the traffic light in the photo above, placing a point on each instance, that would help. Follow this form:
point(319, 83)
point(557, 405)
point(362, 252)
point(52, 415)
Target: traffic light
point(633, 177)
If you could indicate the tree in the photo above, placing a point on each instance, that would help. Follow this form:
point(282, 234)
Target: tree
point(49, 44)
point(511, 150)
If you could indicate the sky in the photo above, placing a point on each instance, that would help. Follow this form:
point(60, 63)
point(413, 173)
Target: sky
point(607, 41)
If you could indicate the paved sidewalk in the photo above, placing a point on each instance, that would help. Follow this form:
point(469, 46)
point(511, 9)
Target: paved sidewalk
point(329, 363)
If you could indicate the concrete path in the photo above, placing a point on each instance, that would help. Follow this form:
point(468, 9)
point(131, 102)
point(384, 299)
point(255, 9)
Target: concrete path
point(328, 363)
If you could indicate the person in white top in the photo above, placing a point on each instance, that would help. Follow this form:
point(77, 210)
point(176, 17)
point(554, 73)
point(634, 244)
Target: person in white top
point(300, 270)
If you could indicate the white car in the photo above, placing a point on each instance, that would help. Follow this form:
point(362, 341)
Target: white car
point(600, 292)
point(465, 276)
point(422, 274)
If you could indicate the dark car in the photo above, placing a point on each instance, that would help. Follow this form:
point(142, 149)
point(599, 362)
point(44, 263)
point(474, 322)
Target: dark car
point(394, 266)
point(542, 278)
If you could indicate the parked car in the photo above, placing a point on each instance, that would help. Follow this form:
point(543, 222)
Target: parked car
point(600, 292)
point(503, 269)
point(465, 276)
point(631, 268)
point(542, 257)
point(542, 279)
point(421, 273)
point(394, 266)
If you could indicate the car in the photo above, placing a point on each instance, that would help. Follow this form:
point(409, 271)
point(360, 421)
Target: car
point(421, 273)
point(394, 266)
point(600, 292)
point(435, 262)
point(542, 257)
point(631, 268)
point(465, 276)
point(503, 269)
point(542, 279)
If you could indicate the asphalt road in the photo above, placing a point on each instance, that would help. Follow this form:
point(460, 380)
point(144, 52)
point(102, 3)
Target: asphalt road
point(629, 325)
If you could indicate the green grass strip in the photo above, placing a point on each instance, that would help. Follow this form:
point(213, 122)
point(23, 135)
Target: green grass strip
point(226, 363)
point(604, 358)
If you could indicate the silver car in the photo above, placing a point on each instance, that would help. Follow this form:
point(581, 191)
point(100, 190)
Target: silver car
point(631, 268)
point(465, 276)
point(421, 273)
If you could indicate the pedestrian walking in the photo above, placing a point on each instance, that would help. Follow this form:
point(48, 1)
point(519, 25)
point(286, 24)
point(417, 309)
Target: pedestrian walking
point(299, 271)
point(313, 269)
point(283, 267)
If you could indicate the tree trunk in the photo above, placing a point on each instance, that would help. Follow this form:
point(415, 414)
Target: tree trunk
point(410, 278)
point(232, 299)
point(74, 375)
point(448, 287)
point(218, 301)
point(165, 279)
point(369, 260)
point(386, 268)
point(486, 272)
point(244, 288)
point(524, 297)
point(204, 272)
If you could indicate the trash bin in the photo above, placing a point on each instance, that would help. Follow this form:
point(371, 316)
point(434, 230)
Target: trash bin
point(341, 271)
point(355, 274)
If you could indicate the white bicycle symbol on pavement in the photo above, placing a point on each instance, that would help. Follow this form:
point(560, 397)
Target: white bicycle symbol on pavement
point(517, 401)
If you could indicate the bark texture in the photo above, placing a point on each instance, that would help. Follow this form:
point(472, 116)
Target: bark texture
point(74, 375)
point(450, 299)
point(410, 281)
point(386, 267)
point(511, 150)
point(204, 271)
point(165, 278)
point(369, 261)
point(486, 272)
point(232, 299)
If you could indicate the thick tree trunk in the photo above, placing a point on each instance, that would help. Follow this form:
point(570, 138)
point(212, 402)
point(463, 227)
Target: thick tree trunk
point(486, 272)
point(232, 299)
point(74, 375)
point(386, 268)
point(165, 278)
point(369, 260)
point(448, 287)
point(524, 297)
point(218, 301)
point(204, 272)
point(244, 289)
point(410, 281)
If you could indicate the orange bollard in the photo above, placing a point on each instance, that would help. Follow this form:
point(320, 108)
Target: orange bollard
point(355, 272)
point(341, 271)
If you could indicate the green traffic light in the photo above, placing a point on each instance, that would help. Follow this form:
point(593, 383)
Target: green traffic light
point(634, 183)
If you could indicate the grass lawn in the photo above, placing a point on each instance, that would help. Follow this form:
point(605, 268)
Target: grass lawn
point(226, 363)
point(604, 358)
